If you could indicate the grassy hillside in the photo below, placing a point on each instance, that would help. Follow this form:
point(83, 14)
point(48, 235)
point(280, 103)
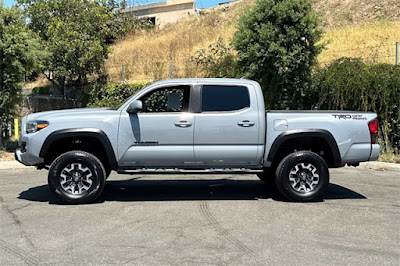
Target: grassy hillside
point(355, 28)
point(373, 41)
point(146, 55)
point(345, 12)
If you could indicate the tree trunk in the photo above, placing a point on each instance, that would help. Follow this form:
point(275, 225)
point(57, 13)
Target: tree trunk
point(62, 87)
point(1, 136)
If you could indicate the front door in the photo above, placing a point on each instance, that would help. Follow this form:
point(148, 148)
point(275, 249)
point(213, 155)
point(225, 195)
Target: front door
point(227, 128)
point(161, 134)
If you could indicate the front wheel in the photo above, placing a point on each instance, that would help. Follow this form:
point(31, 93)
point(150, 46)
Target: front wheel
point(302, 176)
point(76, 177)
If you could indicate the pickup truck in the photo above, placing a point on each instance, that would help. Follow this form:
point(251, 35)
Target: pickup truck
point(186, 126)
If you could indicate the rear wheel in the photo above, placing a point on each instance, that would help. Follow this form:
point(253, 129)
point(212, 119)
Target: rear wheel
point(302, 176)
point(76, 177)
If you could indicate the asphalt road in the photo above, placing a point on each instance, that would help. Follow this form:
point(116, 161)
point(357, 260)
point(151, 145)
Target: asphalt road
point(206, 220)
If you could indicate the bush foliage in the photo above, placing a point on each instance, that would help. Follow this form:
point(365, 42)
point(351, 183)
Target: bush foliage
point(76, 35)
point(41, 90)
point(350, 84)
point(113, 95)
point(19, 53)
point(277, 45)
point(218, 61)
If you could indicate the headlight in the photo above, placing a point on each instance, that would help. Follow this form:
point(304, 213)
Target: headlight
point(33, 126)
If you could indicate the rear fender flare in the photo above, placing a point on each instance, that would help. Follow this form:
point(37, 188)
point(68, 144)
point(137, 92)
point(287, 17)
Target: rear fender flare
point(315, 133)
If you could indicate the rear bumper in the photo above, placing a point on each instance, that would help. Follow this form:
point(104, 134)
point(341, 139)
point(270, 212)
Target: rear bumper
point(27, 159)
point(361, 152)
point(375, 150)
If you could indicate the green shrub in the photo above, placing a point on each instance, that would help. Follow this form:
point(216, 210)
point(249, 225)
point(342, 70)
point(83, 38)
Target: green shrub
point(44, 90)
point(112, 95)
point(11, 146)
point(350, 84)
point(277, 43)
point(218, 61)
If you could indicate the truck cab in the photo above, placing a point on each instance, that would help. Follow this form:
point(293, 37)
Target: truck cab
point(185, 124)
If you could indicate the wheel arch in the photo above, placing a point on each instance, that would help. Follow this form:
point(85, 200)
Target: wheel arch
point(94, 134)
point(298, 136)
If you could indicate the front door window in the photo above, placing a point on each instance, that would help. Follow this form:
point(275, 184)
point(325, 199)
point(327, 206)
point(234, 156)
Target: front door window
point(170, 99)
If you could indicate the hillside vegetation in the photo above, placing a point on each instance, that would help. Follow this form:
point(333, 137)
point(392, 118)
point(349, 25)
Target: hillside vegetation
point(354, 28)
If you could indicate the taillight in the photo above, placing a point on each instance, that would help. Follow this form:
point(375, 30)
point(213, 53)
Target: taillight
point(373, 129)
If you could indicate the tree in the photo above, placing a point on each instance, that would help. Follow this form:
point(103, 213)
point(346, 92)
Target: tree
point(277, 42)
point(351, 84)
point(76, 34)
point(19, 52)
point(218, 61)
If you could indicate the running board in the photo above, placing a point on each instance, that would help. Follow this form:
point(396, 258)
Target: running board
point(164, 171)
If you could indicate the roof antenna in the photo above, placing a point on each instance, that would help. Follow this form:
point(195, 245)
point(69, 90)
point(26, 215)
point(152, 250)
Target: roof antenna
point(244, 77)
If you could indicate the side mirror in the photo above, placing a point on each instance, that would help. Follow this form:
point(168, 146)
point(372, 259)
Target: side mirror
point(134, 107)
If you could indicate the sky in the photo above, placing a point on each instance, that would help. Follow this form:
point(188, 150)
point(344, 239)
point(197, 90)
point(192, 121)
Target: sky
point(8, 2)
point(199, 3)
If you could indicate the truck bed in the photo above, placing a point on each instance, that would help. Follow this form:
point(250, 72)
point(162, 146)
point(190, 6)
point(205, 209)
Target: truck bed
point(349, 129)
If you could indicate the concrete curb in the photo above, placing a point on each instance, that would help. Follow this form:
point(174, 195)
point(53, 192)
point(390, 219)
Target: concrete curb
point(381, 165)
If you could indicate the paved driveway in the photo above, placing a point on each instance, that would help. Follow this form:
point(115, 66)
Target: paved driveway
point(224, 220)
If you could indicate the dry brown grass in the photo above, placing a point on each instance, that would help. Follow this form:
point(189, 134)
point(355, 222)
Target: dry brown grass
point(370, 34)
point(146, 55)
point(373, 41)
point(41, 81)
point(389, 158)
point(6, 156)
point(345, 12)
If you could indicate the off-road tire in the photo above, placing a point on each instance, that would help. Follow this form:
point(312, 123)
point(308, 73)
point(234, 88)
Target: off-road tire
point(289, 163)
point(86, 160)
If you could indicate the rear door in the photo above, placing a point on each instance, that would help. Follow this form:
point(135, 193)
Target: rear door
point(227, 129)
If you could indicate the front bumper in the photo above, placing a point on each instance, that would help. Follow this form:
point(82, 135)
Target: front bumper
point(27, 159)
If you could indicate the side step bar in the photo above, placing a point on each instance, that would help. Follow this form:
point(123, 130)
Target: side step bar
point(155, 171)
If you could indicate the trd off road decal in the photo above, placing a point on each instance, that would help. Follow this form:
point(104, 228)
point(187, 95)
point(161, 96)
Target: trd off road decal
point(354, 117)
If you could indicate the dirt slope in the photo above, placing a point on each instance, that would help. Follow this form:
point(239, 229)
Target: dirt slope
point(356, 28)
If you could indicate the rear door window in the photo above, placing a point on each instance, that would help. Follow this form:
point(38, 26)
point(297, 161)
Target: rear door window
point(224, 98)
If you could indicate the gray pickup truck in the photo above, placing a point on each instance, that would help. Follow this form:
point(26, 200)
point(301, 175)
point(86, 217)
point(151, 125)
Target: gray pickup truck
point(182, 126)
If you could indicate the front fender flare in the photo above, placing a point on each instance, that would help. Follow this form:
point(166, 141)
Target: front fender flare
point(81, 132)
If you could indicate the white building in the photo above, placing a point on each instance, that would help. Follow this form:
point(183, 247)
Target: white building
point(162, 13)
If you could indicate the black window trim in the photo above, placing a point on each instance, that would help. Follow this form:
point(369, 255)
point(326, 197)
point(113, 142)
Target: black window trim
point(231, 111)
point(195, 99)
point(167, 86)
